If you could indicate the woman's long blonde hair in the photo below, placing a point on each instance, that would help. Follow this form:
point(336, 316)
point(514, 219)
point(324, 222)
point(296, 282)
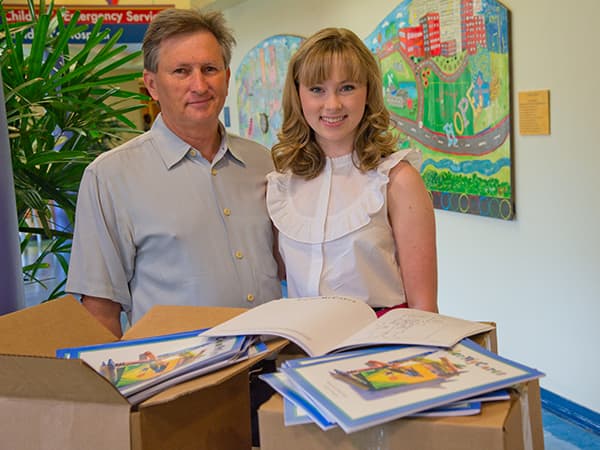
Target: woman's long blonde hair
point(297, 149)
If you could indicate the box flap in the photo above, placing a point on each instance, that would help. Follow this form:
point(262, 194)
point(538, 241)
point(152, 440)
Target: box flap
point(34, 424)
point(41, 329)
point(487, 339)
point(216, 418)
point(163, 319)
point(34, 377)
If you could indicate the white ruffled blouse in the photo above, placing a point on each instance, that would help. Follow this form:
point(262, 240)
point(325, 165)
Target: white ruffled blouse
point(335, 237)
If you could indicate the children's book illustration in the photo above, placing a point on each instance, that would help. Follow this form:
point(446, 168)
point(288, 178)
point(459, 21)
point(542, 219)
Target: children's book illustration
point(417, 371)
point(135, 365)
point(148, 366)
point(359, 391)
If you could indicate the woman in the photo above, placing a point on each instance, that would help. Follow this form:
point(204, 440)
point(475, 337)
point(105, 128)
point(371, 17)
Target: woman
point(353, 215)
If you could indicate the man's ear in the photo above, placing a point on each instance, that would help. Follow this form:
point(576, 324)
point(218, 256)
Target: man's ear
point(227, 77)
point(150, 83)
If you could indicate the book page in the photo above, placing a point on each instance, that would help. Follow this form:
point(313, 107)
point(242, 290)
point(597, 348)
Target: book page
point(415, 327)
point(315, 324)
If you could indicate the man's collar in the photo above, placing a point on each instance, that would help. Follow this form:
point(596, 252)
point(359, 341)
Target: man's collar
point(173, 149)
point(226, 141)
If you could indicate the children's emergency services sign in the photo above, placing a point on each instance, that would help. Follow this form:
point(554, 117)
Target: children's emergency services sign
point(132, 20)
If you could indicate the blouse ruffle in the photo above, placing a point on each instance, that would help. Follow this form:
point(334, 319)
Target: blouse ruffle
point(305, 229)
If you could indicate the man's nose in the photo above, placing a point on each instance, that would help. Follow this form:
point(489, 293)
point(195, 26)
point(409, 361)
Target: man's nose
point(198, 81)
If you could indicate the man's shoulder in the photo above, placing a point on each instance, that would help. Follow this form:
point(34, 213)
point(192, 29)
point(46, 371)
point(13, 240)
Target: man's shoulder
point(250, 151)
point(245, 144)
point(124, 154)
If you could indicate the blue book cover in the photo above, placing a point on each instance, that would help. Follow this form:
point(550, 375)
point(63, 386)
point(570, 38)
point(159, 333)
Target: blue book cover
point(135, 365)
point(250, 350)
point(494, 396)
point(297, 408)
point(359, 391)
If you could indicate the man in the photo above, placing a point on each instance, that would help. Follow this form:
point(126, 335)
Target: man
point(176, 215)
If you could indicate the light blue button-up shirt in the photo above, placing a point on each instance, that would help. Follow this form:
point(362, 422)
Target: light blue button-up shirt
point(156, 223)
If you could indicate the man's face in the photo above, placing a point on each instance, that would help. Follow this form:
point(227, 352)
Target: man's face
point(191, 82)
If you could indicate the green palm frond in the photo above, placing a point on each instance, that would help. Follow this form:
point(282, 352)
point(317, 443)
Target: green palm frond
point(65, 105)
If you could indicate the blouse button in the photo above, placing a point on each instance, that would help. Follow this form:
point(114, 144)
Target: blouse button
point(239, 255)
point(227, 211)
point(213, 172)
point(193, 153)
point(250, 297)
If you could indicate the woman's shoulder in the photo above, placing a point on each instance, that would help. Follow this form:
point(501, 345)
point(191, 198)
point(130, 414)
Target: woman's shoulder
point(411, 156)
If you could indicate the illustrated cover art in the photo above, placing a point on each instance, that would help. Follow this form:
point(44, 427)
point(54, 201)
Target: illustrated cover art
point(360, 391)
point(148, 366)
point(135, 365)
point(412, 372)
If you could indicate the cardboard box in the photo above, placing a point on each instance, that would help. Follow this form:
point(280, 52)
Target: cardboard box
point(49, 403)
point(504, 425)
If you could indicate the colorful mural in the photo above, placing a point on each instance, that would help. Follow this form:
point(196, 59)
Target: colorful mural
point(445, 66)
point(259, 82)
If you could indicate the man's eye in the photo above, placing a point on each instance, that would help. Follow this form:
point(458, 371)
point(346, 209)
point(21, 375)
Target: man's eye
point(210, 69)
point(180, 70)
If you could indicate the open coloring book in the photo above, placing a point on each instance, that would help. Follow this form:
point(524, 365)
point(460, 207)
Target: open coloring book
point(321, 325)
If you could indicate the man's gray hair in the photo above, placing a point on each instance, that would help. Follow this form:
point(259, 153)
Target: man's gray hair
point(174, 22)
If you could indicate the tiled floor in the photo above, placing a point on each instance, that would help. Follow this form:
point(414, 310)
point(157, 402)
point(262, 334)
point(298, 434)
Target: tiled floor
point(559, 434)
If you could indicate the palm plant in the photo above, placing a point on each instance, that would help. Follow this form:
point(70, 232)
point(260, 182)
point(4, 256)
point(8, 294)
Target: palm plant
point(64, 107)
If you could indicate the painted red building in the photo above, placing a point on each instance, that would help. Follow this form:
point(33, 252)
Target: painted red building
point(411, 41)
point(473, 31)
point(431, 34)
point(448, 48)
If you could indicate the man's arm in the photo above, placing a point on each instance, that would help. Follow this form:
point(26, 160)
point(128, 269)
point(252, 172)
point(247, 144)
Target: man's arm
point(106, 311)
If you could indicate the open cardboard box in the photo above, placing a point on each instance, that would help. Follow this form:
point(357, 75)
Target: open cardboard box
point(514, 424)
point(50, 403)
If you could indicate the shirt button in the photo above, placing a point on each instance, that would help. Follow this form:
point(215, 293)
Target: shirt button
point(227, 211)
point(239, 255)
point(193, 153)
point(250, 297)
point(213, 172)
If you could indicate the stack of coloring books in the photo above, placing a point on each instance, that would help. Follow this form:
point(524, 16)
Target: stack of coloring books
point(141, 368)
point(362, 370)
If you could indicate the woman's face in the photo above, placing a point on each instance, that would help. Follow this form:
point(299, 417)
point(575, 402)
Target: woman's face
point(334, 109)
